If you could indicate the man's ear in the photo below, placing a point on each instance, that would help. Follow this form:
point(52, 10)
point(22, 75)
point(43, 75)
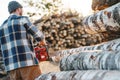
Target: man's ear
point(17, 10)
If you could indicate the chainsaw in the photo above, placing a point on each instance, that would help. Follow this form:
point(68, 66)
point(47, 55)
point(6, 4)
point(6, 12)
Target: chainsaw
point(41, 52)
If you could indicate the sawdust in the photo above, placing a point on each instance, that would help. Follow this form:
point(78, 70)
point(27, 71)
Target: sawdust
point(47, 66)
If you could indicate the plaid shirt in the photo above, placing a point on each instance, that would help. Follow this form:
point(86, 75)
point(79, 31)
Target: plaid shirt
point(16, 46)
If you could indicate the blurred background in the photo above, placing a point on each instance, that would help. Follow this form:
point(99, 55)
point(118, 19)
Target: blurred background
point(38, 8)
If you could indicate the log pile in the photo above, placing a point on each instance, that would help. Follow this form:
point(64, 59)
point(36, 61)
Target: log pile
point(92, 64)
point(68, 30)
point(94, 24)
point(103, 59)
point(81, 75)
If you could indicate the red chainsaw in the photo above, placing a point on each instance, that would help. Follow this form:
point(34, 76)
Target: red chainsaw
point(41, 49)
point(41, 52)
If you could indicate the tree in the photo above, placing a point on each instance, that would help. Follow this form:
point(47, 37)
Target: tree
point(42, 7)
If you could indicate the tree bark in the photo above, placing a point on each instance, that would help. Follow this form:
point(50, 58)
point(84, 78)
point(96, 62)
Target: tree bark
point(102, 4)
point(105, 20)
point(81, 75)
point(113, 45)
point(95, 60)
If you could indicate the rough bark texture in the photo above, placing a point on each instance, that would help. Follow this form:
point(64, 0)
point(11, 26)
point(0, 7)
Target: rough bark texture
point(95, 60)
point(102, 4)
point(113, 45)
point(105, 20)
point(81, 75)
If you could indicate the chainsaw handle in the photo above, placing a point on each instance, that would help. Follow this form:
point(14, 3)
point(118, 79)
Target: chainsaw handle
point(42, 43)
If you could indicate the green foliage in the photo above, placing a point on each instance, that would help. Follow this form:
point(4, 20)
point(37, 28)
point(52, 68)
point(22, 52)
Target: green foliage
point(43, 7)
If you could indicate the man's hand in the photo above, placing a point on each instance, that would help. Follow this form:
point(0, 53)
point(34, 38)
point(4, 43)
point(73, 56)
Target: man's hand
point(42, 43)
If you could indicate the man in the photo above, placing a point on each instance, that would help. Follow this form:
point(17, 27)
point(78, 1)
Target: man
point(16, 46)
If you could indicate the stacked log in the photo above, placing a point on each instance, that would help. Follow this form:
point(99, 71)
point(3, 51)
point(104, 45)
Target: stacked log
point(113, 45)
point(107, 20)
point(96, 24)
point(69, 30)
point(81, 75)
point(95, 60)
point(102, 4)
point(92, 65)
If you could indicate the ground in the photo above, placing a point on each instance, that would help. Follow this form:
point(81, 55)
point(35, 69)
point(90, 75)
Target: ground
point(47, 67)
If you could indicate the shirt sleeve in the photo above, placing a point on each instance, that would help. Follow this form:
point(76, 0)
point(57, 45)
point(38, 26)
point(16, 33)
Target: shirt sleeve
point(33, 30)
point(0, 54)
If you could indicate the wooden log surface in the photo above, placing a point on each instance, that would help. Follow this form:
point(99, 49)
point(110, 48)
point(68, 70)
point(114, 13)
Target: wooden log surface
point(81, 75)
point(104, 20)
point(113, 45)
point(102, 4)
point(95, 60)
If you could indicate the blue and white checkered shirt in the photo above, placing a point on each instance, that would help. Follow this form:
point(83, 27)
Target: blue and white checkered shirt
point(16, 47)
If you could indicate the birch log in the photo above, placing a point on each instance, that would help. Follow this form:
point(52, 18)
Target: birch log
point(81, 75)
point(105, 20)
point(113, 45)
point(96, 60)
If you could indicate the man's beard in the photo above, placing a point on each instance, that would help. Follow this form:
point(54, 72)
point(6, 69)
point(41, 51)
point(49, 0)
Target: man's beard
point(20, 14)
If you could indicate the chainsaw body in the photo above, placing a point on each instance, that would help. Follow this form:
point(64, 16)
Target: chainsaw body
point(41, 53)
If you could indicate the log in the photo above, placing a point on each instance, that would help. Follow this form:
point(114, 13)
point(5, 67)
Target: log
point(95, 60)
point(113, 45)
point(105, 20)
point(81, 75)
point(102, 4)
